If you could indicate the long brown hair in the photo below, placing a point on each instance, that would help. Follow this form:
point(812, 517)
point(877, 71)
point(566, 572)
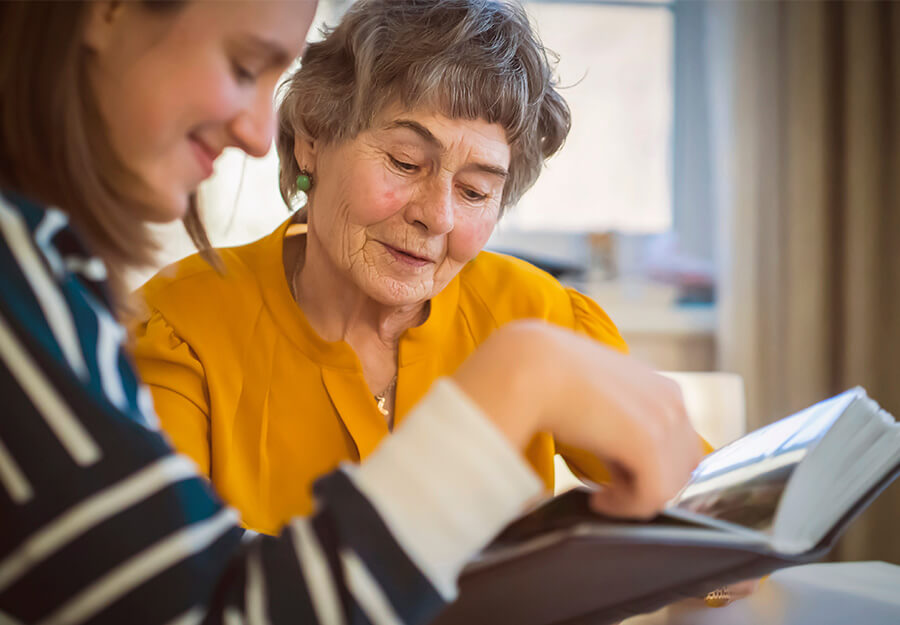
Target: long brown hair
point(53, 140)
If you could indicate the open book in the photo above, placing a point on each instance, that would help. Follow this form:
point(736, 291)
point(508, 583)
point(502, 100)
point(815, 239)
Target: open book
point(778, 497)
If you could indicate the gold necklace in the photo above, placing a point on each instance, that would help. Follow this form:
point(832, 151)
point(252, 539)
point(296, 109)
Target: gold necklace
point(382, 398)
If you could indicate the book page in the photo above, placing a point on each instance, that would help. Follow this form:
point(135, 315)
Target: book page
point(855, 455)
point(743, 483)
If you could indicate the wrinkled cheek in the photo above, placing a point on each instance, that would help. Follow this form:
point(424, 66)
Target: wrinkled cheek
point(385, 205)
point(380, 197)
point(353, 246)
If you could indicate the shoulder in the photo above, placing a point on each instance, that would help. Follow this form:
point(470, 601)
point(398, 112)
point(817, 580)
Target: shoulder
point(504, 288)
point(511, 288)
point(29, 289)
point(54, 308)
point(35, 295)
point(194, 283)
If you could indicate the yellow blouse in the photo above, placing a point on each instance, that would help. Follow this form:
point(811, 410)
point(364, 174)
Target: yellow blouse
point(244, 385)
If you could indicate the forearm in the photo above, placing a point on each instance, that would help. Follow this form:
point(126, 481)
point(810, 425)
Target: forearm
point(150, 542)
point(511, 380)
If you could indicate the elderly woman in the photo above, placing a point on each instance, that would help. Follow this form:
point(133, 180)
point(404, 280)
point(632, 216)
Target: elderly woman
point(410, 128)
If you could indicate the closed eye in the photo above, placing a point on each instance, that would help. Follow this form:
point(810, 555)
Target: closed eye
point(242, 74)
point(473, 196)
point(403, 166)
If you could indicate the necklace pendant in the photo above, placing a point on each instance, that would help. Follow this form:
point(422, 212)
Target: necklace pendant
point(382, 399)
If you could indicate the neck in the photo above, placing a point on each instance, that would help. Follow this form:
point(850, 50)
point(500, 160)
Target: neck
point(339, 311)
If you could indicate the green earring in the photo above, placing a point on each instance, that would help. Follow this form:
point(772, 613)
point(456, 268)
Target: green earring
point(304, 181)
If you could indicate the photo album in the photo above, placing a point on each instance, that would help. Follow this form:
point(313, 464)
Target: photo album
point(778, 497)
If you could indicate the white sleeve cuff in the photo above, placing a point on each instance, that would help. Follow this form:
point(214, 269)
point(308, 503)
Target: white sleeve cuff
point(445, 483)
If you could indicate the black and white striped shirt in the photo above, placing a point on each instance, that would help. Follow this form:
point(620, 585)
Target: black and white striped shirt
point(100, 522)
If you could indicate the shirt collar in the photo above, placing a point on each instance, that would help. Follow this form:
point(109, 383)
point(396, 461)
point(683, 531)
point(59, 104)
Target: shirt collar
point(61, 246)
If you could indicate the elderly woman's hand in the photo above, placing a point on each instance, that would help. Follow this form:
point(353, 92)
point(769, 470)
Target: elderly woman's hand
point(531, 377)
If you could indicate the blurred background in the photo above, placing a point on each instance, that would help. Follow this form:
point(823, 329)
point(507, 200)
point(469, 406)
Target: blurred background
point(730, 194)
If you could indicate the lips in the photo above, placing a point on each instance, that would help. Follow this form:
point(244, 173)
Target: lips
point(204, 154)
point(408, 256)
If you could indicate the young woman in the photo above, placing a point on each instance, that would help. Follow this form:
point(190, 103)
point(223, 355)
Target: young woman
point(111, 113)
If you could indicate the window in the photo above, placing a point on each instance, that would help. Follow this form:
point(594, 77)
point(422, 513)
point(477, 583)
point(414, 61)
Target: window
point(614, 172)
point(628, 196)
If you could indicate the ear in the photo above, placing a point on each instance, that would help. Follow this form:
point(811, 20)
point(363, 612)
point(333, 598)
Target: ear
point(305, 151)
point(103, 20)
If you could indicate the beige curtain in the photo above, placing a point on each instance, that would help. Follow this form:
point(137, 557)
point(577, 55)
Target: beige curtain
point(806, 145)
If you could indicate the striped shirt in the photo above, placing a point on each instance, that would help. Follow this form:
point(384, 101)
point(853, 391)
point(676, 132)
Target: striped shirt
point(101, 522)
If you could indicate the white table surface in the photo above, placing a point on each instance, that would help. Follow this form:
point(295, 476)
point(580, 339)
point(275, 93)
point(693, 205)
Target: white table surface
point(846, 593)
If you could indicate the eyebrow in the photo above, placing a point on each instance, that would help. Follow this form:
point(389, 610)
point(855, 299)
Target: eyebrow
point(417, 128)
point(429, 138)
point(500, 172)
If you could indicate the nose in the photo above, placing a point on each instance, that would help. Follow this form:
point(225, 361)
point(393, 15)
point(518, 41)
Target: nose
point(434, 210)
point(253, 128)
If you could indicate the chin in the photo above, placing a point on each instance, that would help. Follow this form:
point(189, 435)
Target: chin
point(399, 293)
point(168, 206)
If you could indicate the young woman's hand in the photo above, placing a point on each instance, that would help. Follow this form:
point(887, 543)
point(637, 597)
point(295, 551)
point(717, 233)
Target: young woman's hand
point(531, 377)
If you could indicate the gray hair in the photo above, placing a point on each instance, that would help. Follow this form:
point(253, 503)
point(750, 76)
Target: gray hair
point(467, 59)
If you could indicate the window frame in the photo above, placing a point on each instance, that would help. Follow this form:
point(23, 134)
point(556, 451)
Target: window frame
point(693, 217)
